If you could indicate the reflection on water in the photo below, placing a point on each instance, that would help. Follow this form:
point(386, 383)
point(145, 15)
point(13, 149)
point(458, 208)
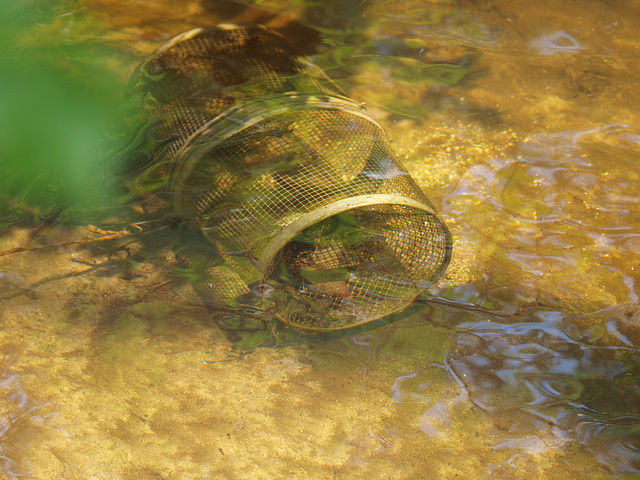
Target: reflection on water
point(520, 120)
point(18, 415)
point(556, 42)
point(581, 392)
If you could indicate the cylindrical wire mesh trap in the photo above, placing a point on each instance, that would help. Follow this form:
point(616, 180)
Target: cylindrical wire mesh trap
point(313, 219)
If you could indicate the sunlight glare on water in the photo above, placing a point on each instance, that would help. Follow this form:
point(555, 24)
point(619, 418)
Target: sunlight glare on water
point(520, 122)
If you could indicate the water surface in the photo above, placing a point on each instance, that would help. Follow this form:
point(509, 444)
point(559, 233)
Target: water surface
point(519, 120)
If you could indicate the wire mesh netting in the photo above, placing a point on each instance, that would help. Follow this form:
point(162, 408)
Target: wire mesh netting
point(295, 185)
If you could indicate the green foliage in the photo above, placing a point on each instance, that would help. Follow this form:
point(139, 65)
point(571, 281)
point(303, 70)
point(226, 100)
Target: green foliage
point(58, 97)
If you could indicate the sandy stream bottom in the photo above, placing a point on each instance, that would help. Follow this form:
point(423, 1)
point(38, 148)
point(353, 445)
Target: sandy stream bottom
point(111, 369)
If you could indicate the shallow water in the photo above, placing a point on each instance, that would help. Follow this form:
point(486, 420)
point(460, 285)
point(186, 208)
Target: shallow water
point(519, 120)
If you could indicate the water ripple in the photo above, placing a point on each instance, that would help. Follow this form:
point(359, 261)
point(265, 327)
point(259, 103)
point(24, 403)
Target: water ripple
point(556, 42)
point(587, 393)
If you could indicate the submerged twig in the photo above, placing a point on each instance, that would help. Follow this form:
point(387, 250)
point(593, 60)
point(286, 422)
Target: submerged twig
point(108, 235)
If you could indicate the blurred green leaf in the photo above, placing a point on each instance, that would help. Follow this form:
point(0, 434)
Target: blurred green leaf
point(58, 97)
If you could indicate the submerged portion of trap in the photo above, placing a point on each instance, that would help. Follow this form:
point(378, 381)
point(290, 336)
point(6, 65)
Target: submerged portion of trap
point(313, 220)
